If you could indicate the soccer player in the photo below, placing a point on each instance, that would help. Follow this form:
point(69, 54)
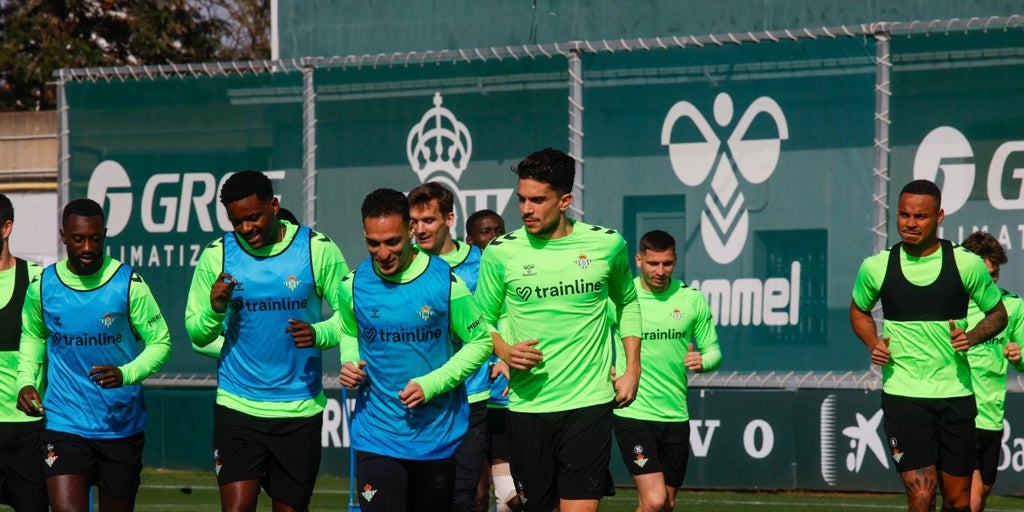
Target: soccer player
point(484, 226)
point(554, 276)
point(81, 322)
point(988, 370)
point(925, 284)
point(431, 209)
point(22, 485)
point(263, 286)
point(653, 433)
point(402, 313)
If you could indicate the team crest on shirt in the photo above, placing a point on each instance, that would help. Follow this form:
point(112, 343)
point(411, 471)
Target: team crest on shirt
point(368, 492)
point(292, 283)
point(640, 460)
point(583, 261)
point(107, 320)
point(425, 313)
point(50, 456)
point(677, 315)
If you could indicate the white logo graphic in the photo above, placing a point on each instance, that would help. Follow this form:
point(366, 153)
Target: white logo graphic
point(863, 437)
point(50, 456)
point(439, 148)
point(292, 283)
point(946, 150)
point(107, 320)
point(724, 221)
point(110, 175)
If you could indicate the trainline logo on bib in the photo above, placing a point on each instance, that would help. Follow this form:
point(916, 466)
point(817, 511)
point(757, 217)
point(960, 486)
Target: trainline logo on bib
point(725, 219)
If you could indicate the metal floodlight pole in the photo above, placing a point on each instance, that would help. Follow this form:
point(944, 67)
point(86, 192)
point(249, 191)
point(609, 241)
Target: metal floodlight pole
point(63, 152)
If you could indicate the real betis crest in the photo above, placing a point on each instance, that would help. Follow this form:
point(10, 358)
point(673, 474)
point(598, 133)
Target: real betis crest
point(368, 493)
point(583, 261)
point(677, 315)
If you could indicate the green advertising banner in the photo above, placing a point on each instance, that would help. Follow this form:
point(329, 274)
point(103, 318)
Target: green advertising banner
point(154, 153)
point(757, 158)
point(461, 124)
point(957, 105)
point(826, 440)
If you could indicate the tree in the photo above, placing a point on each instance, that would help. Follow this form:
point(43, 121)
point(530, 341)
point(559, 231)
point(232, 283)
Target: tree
point(40, 36)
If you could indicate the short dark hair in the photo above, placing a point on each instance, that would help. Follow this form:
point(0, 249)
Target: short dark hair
point(985, 245)
point(84, 207)
point(243, 184)
point(550, 166)
point(657, 240)
point(6, 209)
point(477, 215)
point(383, 202)
point(923, 188)
point(432, 190)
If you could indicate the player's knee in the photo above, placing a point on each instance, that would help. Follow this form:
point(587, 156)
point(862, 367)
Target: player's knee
point(654, 502)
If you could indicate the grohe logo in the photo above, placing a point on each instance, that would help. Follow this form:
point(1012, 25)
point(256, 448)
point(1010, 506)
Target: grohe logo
point(945, 152)
point(725, 220)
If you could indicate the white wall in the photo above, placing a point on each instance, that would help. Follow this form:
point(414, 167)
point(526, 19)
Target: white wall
point(35, 235)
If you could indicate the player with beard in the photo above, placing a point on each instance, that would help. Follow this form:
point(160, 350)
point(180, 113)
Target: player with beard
point(403, 314)
point(262, 287)
point(555, 276)
point(81, 322)
point(653, 433)
point(925, 284)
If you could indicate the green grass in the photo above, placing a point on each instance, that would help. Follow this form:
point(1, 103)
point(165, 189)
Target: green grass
point(187, 491)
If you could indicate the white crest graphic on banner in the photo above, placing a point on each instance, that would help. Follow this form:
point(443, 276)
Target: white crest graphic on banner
point(439, 149)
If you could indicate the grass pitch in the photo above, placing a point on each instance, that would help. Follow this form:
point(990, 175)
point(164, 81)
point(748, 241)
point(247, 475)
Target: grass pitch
point(188, 491)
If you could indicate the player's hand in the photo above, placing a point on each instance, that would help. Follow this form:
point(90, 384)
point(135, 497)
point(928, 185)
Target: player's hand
point(500, 368)
point(352, 374)
point(412, 396)
point(302, 333)
point(107, 376)
point(625, 387)
point(524, 356)
point(880, 354)
point(29, 401)
point(1012, 352)
point(693, 361)
point(958, 338)
point(220, 293)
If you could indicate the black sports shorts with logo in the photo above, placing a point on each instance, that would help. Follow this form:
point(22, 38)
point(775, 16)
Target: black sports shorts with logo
point(114, 465)
point(283, 453)
point(924, 432)
point(561, 455)
point(22, 485)
point(654, 447)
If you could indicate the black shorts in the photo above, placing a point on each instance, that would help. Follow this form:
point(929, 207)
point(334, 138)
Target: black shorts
point(926, 432)
point(113, 465)
point(283, 453)
point(561, 455)
point(654, 447)
point(469, 459)
point(987, 444)
point(497, 429)
point(387, 484)
point(22, 485)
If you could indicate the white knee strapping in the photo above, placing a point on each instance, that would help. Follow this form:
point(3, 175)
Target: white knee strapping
point(504, 487)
